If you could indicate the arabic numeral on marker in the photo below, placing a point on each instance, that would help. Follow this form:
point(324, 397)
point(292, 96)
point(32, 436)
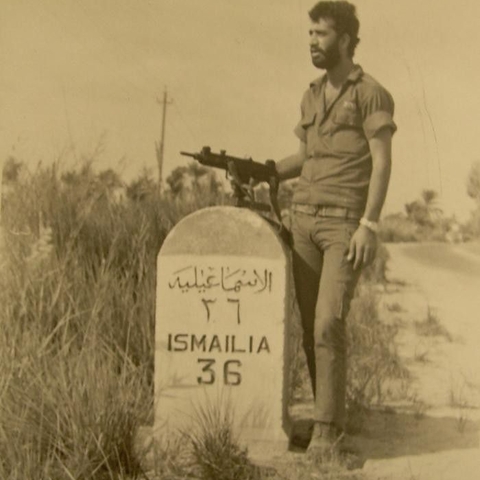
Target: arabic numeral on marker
point(237, 301)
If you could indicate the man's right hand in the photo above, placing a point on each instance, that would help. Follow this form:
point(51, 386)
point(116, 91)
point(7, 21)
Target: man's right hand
point(363, 246)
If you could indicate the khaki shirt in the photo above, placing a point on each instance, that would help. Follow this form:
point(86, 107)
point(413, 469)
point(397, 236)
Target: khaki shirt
point(339, 163)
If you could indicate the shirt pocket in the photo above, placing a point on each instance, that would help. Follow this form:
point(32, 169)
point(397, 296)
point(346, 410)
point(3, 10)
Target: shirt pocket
point(347, 132)
point(347, 118)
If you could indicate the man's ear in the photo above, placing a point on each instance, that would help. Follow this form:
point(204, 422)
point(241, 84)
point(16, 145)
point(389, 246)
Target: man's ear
point(344, 42)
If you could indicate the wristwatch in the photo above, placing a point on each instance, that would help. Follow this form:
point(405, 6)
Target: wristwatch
point(373, 226)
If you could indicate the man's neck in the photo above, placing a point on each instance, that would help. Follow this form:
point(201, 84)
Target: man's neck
point(338, 74)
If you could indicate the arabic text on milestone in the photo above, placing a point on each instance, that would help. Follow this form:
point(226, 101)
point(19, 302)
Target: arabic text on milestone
point(224, 278)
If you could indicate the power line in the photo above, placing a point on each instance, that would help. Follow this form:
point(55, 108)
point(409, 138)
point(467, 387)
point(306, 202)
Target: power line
point(190, 131)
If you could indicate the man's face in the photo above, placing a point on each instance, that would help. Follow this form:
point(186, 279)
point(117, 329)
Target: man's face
point(324, 44)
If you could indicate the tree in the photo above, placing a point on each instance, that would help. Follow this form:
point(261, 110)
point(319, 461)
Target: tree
point(193, 177)
point(473, 182)
point(85, 183)
point(430, 200)
point(473, 191)
point(142, 187)
point(11, 170)
point(425, 212)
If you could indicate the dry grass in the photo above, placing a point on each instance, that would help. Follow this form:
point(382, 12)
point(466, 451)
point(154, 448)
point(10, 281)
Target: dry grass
point(216, 450)
point(77, 296)
point(430, 326)
point(374, 363)
point(77, 312)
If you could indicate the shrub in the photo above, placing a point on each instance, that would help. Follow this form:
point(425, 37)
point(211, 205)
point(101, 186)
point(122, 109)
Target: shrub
point(374, 363)
point(398, 228)
point(215, 449)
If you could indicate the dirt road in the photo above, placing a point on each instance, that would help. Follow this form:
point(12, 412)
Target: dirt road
point(436, 299)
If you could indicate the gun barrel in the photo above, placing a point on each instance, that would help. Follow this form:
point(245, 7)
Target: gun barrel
point(187, 154)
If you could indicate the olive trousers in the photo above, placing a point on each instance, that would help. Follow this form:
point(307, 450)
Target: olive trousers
point(324, 282)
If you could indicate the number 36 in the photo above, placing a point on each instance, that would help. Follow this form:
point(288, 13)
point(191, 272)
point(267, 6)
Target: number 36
point(230, 377)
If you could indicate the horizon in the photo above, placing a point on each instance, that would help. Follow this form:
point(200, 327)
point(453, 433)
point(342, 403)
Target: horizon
point(80, 72)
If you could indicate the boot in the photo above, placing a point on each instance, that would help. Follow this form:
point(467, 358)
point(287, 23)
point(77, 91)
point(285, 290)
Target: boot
point(325, 440)
point(328, 443)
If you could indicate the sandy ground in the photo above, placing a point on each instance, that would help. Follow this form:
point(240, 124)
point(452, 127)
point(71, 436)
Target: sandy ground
point(437, 287)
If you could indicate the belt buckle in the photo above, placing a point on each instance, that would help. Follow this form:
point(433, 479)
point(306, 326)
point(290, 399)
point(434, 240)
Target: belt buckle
point(307, 209)
point(321, 211)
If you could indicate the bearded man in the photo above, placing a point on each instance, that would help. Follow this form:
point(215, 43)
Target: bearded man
point(343, 163)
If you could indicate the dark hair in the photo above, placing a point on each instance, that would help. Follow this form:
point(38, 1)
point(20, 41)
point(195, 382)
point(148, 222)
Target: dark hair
point(345, 18)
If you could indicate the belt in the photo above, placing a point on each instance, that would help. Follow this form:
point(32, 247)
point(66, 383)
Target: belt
point(326, 211)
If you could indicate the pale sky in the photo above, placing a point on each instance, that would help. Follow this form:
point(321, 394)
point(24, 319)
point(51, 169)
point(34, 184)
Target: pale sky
point(74, 71)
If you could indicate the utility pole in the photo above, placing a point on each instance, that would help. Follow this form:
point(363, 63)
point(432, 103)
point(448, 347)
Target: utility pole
point(160, 146)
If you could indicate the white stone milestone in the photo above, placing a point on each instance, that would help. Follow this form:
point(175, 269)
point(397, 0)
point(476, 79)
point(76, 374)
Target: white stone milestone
point(221, 325)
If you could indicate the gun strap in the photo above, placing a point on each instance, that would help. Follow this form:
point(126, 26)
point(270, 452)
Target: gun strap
point(273, 184)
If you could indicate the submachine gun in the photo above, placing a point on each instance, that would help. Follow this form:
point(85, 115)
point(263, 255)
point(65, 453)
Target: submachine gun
point(241, 171)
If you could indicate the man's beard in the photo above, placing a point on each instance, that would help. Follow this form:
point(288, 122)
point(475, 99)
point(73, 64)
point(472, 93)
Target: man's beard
point(328, 59)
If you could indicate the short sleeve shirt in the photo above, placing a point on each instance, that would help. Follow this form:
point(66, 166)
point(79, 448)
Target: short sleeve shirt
point(339, 163)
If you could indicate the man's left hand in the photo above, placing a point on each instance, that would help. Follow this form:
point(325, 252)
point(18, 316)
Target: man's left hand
point(363, 246)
